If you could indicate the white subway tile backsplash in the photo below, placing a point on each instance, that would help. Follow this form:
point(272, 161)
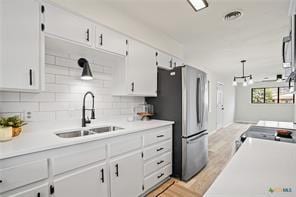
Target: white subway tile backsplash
point(58, 70)
point(41, 97)
point(63, 95)
point(54, 106)
point(18, 107)
point(9, 96)
point(49, 59)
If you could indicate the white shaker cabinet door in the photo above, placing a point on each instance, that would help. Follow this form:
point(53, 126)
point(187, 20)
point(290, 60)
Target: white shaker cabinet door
point(90, 182)
point(20, 44)
point(65, 25)
point(110, 41)
point(40, 191)
point(127, 175)
point(164, 60)
point(141, 70)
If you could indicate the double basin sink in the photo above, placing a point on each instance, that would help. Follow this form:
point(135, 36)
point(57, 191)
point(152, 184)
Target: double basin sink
point(86, 132)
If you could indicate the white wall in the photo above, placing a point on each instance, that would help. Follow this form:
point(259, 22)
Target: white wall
point(113, 18)
point(248, 112)
point(62, 98)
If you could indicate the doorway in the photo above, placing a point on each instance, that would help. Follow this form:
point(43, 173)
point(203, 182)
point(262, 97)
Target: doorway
point(220, 105)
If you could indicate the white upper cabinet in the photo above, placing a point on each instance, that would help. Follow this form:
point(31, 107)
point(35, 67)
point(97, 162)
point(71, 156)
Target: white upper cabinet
point(141, 70)
point(65, 25)
point(127, 175)
point(20, 40)
point(164, 60)
point(177, 62)
point(110, 41)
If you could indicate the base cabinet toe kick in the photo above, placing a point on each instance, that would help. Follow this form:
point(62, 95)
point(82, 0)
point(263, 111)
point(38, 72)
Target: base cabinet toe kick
point(128, 165)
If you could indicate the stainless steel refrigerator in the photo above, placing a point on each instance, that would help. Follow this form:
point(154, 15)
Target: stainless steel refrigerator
point(183, 97)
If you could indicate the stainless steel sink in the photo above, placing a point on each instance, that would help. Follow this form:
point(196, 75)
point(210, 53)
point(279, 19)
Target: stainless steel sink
point(92, 131)
point(72, 134)
point(105, 129)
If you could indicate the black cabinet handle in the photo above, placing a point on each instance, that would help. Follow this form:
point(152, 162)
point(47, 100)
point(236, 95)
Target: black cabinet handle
point(38, 194)
point(31, 77)
point(87, 35)
point(1, 181)
point(51, 189)
point(117, 170)
point(159, 136)
point(102, 175)
point(171, 63)
point(159, 149)
point(160, 162)
point(133, 87)
point(160, 175)
point(101, 39)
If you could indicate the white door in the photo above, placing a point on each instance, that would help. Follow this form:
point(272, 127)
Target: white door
point(126, 175)
point(164, 60)
point(220, 105)
point(90, 182)
point(110, 41)
point(141, 70)
point(65, 25)
point(20, 44)
point(39, 191)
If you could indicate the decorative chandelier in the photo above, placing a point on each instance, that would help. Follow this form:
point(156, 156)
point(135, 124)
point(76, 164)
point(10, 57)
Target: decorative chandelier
point(248, 79)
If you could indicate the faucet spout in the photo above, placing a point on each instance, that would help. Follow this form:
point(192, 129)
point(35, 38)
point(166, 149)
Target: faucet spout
point(84, 120)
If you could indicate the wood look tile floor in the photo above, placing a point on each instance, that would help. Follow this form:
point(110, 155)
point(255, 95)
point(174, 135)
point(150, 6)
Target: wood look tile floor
point(221, 149)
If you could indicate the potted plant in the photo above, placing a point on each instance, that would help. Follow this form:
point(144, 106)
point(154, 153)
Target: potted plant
point(5, 130)
point(15, 123)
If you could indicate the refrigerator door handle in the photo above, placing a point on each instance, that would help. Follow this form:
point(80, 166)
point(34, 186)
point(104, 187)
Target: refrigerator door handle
point(198, 100)
point(196, 138)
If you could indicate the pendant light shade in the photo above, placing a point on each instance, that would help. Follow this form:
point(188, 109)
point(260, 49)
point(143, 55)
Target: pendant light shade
point(86, 72)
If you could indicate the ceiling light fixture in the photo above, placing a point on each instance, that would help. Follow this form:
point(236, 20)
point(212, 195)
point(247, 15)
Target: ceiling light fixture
point(86, 72)
point(248, 79)
point(198, 4)
point(233, 15)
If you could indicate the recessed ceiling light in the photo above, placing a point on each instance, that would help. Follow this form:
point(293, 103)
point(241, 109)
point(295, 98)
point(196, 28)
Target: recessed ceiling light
point(234, 15)
point(198, 4)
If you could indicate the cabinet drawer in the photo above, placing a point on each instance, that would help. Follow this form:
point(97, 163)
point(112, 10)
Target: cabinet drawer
point(157, 136)
point(17, 176)
point(157, 163)
point(157, 149)
point(157, 177)
point(41, 191)
point(78, 159)
point(125, 145)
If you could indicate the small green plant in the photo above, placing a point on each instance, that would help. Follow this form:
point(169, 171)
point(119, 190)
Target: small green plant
point(13, 121)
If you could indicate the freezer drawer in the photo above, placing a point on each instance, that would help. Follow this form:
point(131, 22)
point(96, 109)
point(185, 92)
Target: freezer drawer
point(195, 155)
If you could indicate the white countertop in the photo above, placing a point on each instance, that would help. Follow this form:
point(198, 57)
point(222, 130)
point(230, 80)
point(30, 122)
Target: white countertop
point(258, 166)
point(42, 137)
point(276, 124)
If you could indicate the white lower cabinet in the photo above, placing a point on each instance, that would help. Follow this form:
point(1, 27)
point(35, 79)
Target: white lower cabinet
point(39, 191)
point(122, 166)
point(90, 182)
point(126, 174)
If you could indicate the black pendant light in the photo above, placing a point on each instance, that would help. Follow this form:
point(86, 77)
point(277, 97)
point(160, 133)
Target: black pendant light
point(86, 72)
point(247, 79)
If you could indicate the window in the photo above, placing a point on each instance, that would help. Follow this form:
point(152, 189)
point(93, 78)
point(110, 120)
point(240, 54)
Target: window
point(257, 95)
point(286, 96)
point(272, 96)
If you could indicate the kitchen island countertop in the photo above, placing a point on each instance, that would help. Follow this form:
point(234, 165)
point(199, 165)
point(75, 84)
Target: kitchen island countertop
point(260, 168)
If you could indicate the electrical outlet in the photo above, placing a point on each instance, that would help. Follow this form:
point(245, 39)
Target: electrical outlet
point(28, 116)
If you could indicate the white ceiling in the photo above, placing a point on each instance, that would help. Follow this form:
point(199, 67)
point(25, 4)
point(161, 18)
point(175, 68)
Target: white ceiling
point(211, 42)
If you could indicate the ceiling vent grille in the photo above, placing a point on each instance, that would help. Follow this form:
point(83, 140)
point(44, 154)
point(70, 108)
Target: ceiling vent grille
point(234, 15)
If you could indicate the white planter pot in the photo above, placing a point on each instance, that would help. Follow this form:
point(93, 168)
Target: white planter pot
point(5, 134)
